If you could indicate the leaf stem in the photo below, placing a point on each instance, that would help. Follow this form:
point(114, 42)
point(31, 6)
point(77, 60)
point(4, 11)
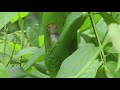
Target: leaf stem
point(98, 39)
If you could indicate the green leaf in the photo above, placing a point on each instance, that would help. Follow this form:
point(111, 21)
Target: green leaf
point(34, 20)
point(8, 48)
point(80, 64)
point(10, 37)
point(102, 29)
point(17, 46)
point(118, 65)
point(91, 71)
point(112, 57)
point(16, 72)
point(18, 16)
point(108, 18)
point(111, 70)
point(87, 24)
point(3, 55)
point(3, 71)
point(114, 33)
point(5, 17)
point(28, 50)
point(25, 51)
point(111, 49)
point(85, 38)
point(116, 16)
point(21, 23)
point(34, 59)
point(101, 72)
point(34, 72)
point(13, 27)
point(41, 68)
point(32, 36)
point(41, 40)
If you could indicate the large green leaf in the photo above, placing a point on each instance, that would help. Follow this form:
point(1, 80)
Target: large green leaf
point(80, 64)
point(5, 17)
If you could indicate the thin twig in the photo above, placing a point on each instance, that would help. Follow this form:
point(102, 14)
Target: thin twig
point(96, 34)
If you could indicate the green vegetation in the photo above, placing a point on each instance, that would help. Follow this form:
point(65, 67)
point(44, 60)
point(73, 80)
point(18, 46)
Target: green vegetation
point(59, 44)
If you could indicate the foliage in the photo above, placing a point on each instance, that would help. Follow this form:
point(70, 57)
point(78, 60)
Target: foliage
point(59, 45)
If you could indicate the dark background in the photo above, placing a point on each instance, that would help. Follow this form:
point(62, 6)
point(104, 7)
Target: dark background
point(59, 5)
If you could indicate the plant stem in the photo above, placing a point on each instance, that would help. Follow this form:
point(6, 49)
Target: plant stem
point(5, 32)
point(5, 39)
point(98, 39)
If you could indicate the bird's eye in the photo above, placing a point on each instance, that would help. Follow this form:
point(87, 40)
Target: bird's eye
point(52, 26)
point(49, 27)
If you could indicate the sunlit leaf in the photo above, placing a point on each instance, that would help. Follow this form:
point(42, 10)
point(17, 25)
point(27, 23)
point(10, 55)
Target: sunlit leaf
point(17, 46)
point(41, 40)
